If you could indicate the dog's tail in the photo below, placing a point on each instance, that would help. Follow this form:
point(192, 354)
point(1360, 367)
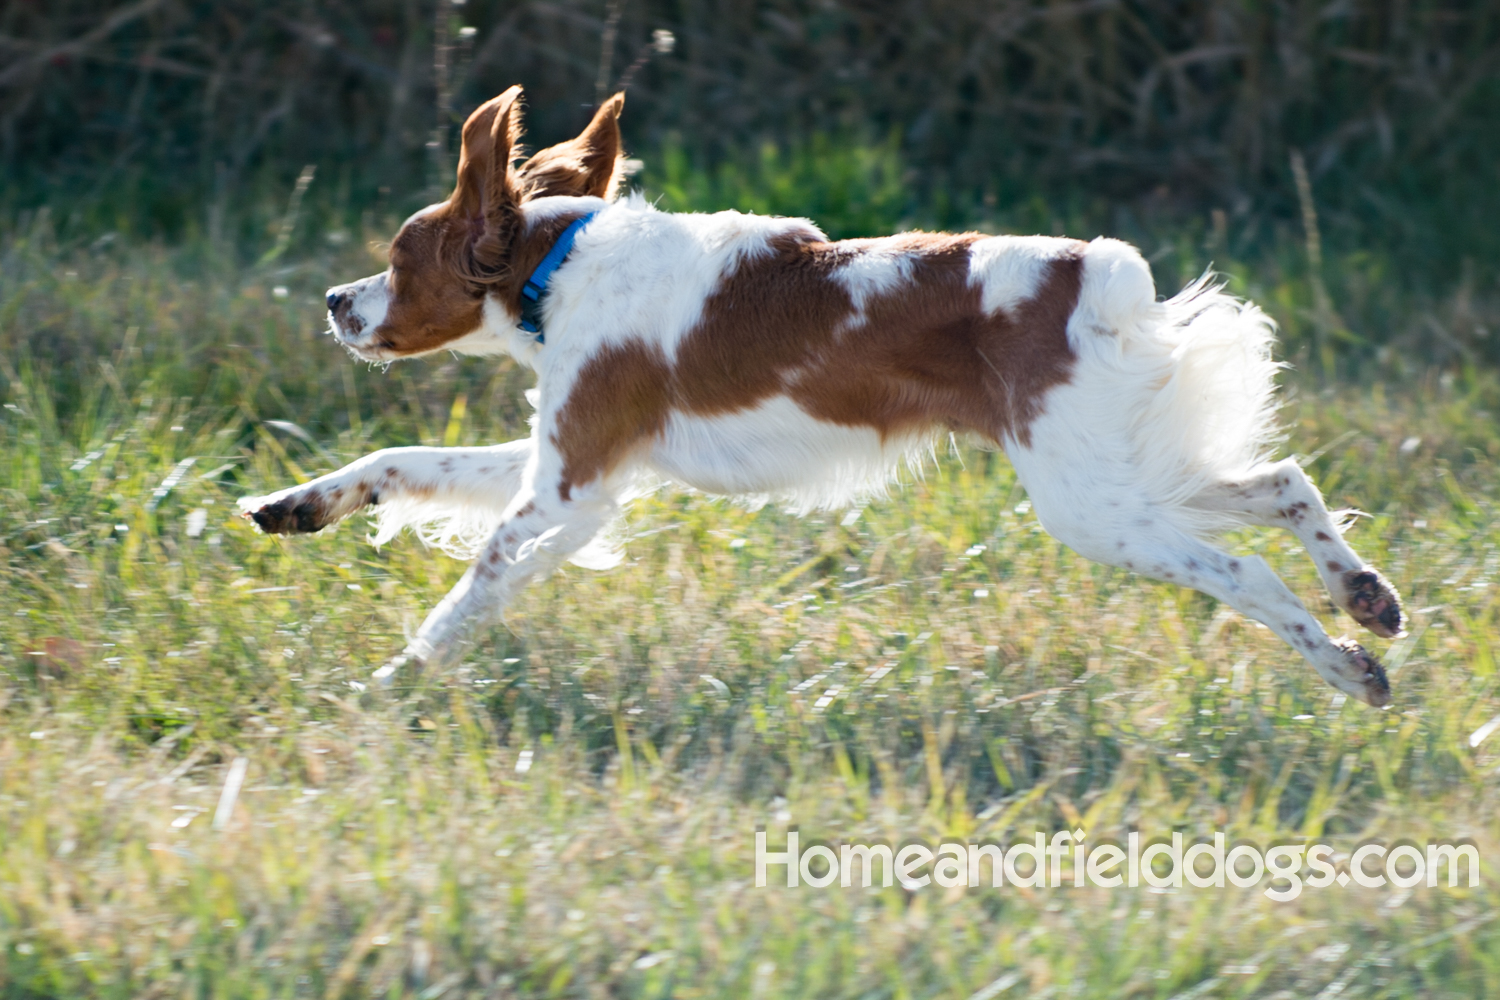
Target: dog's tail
point(1192, 377)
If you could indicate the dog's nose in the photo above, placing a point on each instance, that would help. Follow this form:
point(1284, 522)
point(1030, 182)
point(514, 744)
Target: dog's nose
point(335, 299)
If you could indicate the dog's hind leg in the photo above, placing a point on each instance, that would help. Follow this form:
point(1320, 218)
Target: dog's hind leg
point(480, 478)
point(1281, 495)
point(1096, 503)
point(1110, 528)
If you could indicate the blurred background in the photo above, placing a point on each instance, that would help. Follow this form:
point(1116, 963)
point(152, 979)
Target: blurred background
point(1349, 143)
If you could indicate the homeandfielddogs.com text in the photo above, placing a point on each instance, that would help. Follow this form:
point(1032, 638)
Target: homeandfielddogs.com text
point(1065, 859)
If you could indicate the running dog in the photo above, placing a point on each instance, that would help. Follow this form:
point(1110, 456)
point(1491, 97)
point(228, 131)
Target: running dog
point(752, 357)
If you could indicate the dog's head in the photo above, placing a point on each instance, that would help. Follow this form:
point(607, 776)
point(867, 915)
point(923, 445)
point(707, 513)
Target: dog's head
point(450, 259)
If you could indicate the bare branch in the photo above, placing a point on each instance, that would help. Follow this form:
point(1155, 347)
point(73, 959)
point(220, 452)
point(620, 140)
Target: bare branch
point(107, 27)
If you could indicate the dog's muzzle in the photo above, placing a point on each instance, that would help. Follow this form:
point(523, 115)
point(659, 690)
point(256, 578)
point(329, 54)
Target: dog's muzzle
point(348, 315)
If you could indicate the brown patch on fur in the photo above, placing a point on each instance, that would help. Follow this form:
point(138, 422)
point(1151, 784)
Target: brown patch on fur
point(1323, 536)
point(429, 303)
point(923, 355)
point(927, 353)
point(619, 399)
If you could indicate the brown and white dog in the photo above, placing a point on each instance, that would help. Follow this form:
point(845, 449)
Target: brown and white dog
point(751, 357)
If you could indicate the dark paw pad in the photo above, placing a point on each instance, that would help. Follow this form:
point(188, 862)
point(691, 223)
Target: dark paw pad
point(281, 518)
point(1366, 672)
point(1373, 603)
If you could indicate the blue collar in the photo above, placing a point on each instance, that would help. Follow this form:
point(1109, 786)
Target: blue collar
point(536, 285)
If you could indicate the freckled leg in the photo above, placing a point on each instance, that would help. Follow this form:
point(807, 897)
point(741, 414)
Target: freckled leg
point(534, 538)
point(1107, 522)
point(477, 477)
point(1245, 583)
point(1282, 495)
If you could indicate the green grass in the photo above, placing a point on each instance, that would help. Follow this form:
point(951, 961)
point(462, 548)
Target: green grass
point(386, 844)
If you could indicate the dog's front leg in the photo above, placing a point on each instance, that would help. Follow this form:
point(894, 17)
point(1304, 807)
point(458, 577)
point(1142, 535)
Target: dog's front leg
point(478, 477)
point(537, 534)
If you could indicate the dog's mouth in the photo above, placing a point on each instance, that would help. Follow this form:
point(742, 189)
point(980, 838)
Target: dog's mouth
point(349, 331)
point(367, 352)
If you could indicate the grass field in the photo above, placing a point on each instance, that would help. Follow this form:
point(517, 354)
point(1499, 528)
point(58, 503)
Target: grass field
point(572, 812)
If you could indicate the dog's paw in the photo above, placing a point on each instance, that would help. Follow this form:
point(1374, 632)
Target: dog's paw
point(1373, 602)
point(290, 513)
point(1364, 674)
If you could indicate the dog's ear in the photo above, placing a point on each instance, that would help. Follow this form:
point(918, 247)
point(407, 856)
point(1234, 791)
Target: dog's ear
point(486, 179)
point(587, 165)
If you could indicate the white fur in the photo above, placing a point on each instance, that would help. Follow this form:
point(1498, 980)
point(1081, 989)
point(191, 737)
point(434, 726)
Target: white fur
point(1118, 297)
point(775, 451)
point(1180, 392)
point(1158, 441)
point(497, 335)
point(451, 498)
